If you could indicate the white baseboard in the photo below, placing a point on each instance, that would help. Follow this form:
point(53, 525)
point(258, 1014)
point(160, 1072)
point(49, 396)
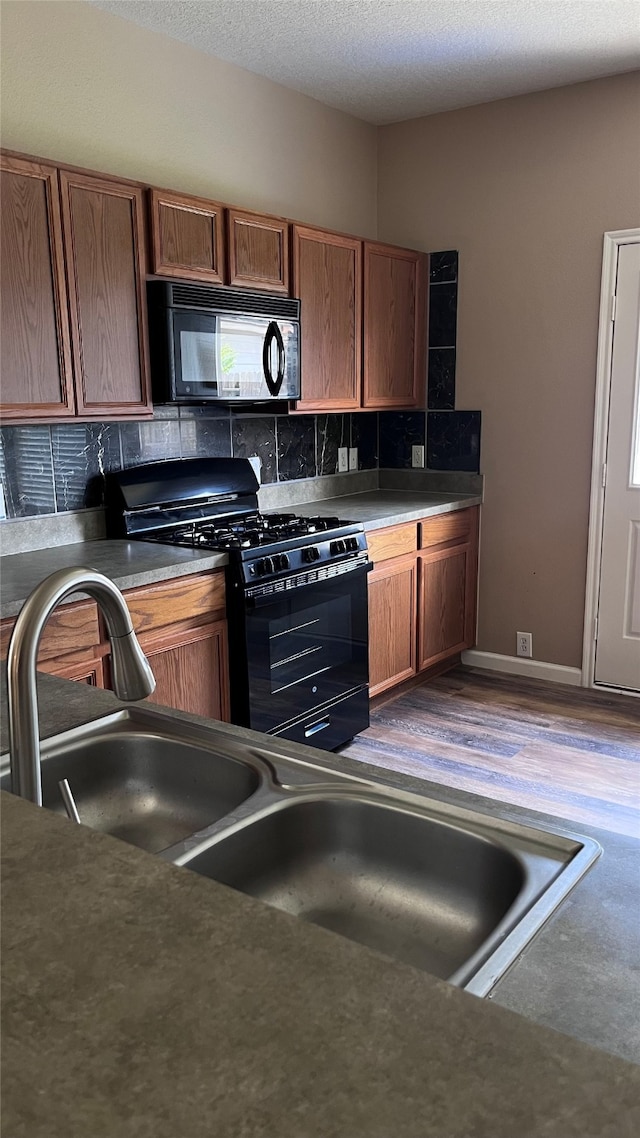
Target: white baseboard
point(522, 666)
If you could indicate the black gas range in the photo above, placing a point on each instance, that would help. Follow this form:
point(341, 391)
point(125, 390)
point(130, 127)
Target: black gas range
point(296, 592)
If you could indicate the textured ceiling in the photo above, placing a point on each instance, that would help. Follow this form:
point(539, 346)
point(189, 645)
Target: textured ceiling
point(386, 60)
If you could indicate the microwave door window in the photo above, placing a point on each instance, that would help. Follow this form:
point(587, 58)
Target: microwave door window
point(240, 343)
point(198, 358)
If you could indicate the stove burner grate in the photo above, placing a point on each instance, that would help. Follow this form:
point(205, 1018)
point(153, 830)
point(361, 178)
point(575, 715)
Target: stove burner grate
point(249, 531)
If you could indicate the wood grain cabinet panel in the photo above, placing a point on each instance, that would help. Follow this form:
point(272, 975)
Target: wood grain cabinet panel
point(91, 672)
point(392, 541)
point(392, 623)
point(191, 670)
point(327, 276)
point(71, 628)
point(192, 599)
point(71, 644)
point(181, 628)
point(258, 251)
point(460, 525)
point(35, 344)
point(394, 373)
point(187, 238)
point(443, 617)
point(447, 584)
point(105, 245)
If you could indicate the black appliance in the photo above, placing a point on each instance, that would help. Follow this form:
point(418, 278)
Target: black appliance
point(209, 343)
point(296, 593)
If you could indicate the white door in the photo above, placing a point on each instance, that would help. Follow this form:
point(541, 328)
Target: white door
point(618, 638)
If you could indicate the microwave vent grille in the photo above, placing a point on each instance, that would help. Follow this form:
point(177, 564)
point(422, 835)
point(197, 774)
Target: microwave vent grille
point(232, 300)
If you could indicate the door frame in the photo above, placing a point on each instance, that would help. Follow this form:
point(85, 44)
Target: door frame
point(612, 242)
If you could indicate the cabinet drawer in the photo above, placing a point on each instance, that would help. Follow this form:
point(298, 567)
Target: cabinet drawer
point(392, 541)
point(71, 628)
point(172, 602)
point(444, 528)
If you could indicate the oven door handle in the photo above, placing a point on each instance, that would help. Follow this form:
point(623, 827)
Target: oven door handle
point(316, 727)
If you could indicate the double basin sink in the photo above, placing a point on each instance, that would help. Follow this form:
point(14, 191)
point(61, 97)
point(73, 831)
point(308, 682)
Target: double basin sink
point(454, 892)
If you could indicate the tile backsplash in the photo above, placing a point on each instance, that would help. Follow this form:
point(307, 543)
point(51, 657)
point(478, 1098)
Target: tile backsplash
point(51, 469)
point(59, 468)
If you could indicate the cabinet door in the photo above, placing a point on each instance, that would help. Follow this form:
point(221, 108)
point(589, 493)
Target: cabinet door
point(83, 671)
point(35, 346)
point(105, 248)
point(191, 670)
point(187, 237)
point(394, 327)
point(327, 276)
point(392, 623)
point(447, 592)
point(72, 629)
point(258, 251)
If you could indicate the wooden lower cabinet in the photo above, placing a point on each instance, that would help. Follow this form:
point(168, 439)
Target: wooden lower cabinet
point(90, 672)
point(392, 623)
point(71, 644)
point(446, 584)
point(191, 670)
point(181, 625)
point(422, 605)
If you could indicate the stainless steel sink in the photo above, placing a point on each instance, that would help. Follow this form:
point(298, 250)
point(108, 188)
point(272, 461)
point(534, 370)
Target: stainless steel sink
point(140, 778)
point(452, 891)
point(417, 889)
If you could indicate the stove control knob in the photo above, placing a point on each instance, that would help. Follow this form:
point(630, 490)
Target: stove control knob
point(352, 544)
point(281, 561)
point(263, 566)
point(337, 547)
point(311, 553)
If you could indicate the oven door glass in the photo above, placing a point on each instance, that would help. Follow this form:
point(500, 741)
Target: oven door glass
point(232, 357)
point(306, 647)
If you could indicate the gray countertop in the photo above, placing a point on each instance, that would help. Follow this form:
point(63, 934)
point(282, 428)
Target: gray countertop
point(378, 508)
point(128, 563)
point(141, 999)
point(135, 563)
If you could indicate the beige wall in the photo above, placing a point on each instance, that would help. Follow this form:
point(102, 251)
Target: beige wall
point(85, 87)
point(525, 189)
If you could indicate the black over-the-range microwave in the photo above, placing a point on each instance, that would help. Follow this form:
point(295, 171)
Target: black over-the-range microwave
point(210, 343)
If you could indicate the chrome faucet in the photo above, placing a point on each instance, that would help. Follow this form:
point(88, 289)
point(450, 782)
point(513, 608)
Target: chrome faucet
point(132, 675)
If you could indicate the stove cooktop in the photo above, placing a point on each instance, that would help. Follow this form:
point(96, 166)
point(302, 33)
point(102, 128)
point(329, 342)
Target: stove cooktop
point(250, 531)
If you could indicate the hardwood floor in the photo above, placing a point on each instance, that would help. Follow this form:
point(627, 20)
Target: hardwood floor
point(565, 751)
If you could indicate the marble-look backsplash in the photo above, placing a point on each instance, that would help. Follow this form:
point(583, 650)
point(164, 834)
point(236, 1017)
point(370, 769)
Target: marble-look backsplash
point(54, 469)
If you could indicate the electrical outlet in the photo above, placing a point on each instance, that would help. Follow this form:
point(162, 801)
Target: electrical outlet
point(256, 463)
point(417, 456)
point(353, 458)
point(524, 644)
point(343, 459)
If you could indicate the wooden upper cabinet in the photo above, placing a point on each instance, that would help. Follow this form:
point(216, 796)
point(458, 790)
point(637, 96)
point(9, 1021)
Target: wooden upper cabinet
point(105, 245)
point(187, 238)
point(327, 277)
point(35, 347)
point(394, 327)
point(258, 251)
